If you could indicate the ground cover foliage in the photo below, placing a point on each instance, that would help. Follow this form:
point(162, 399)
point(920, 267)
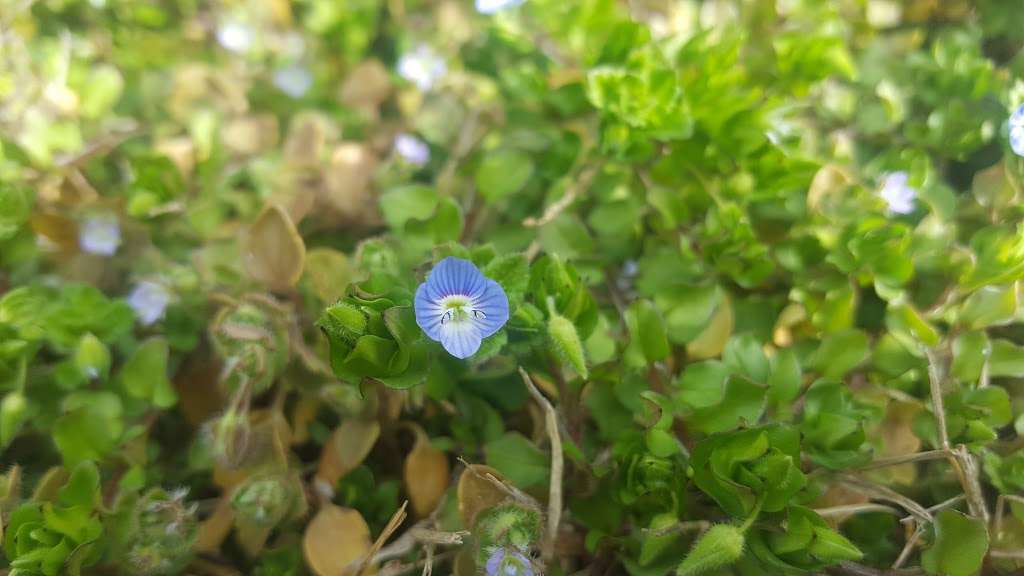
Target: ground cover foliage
point(343, 287)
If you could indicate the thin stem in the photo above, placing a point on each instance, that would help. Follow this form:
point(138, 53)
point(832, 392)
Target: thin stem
point(855, 509)
point(557, 465)
point(753, 515)
point(935, 385)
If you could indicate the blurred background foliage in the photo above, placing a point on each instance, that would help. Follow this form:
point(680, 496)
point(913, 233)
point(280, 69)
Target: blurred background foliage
point(763, 258)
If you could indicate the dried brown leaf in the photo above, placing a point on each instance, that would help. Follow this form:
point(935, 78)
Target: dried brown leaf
point(347, 448)
point(335, 539)
point(274, 251)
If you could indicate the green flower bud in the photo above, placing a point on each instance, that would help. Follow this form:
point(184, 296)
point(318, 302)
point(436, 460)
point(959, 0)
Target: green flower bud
point(254, 347)
point(13, 414)
point(265, 501)
point(229, 438)
point(92, 358)
point(164, 530)
point(508, 526)
point(567, 343)
point(718, 547)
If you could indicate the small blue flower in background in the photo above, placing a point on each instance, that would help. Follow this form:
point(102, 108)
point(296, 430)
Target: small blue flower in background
point(100, 235)
point(494, 6)
point(412, 149)
point(504, 562)
point(293, 79)
point(898, 195)
point(1017, 131)
point(149, 301)
point(458, 306)
point(422, 66)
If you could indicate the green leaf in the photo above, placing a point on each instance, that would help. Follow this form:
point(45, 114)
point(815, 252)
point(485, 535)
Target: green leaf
point(14, 412)
point(742, 403)
point(960, 546)
point(990, 305)
point(82, 487)
point(784, 381)
point(144, 375)
point(518, 459)
point(841, 352)
point(744, 355)
point(648, 329)
point(831, 546)
point(970, 352)
point(15, 208)
point(1007, 359)
point(702, 384)
point(502, 173)
point(399, 205)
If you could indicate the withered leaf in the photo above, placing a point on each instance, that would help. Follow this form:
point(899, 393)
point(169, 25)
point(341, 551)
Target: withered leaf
point(274, 252)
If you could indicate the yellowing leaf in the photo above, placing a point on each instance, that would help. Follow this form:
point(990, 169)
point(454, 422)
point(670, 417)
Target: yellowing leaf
point(274, 252)
point(426, 474)
point(335, 539)
point(347, 448)
point(712, 340)
point(476, 493)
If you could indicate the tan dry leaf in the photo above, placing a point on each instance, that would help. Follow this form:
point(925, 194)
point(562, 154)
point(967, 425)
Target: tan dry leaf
point(181, 151)
point(250, 135)
point(303, 414)
point(252, 539)
point(273, 251)
point(307, 139)
point(329, 272)
point(346, 449)
point(347, 181)
point(465, 562)
point(367, 85)
point(829, 180)
point(712, 340)
point(426, 473)
point(215, 529)
point(335, 539)
point(898, 439)
point(476, 493)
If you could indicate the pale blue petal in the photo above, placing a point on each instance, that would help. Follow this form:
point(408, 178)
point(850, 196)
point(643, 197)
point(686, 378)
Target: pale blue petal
point(460, 339)
point(494, 562)
point(428, 312)
point(1017, 131)
point(492, 306)
point(455, 276)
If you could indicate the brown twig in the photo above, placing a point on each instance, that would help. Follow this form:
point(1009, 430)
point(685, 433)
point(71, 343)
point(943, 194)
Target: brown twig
point(557, 466)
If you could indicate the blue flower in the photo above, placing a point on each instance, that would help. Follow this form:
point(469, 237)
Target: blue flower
point(149, 301)
point(100, 235)
point(458, 306)
point(294, 80)
point(493, 6)
point(505, 562)
point(897, 193)
point(412, 149)
point(1017, 131)
point(422, 66)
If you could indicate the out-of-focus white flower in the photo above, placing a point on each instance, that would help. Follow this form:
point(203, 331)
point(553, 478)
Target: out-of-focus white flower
point(100, 235)
point(494, 6)
point(149, 300)
point(236, 36)
point(897, 193)
point(412, 149)
point(1017, 131)
point(422, 66)
point(293, 79)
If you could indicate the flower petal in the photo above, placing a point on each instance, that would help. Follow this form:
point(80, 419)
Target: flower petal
point(428, 311)
point(460, 339)
point(456, 276)
point(493, 307)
